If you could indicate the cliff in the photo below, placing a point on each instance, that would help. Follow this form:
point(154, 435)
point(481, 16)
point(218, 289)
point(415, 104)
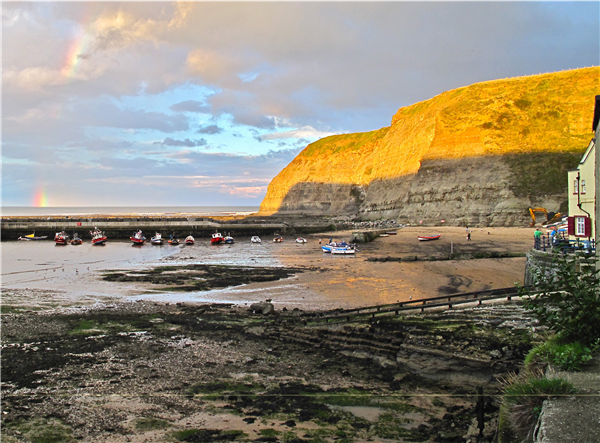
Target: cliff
point(481, 154)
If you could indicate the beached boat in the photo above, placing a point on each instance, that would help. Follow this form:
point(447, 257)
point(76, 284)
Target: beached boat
point(189, 240)
point(98, 237)
point(173, 240)
point(228, 240)
point(349, 249)
point(30, 237)
point(76, 240)
point(255, 239)
point(333, 244)
point(157, 239)
point(216, 239)
point(138, 238)
point(391, 233)
point(278, 239)
point(300, 240)
point(61, 238)
point(428, 237)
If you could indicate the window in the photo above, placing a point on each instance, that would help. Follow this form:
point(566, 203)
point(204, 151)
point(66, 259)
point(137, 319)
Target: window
point(583, 186)
point(575, 186)
point(580, 226)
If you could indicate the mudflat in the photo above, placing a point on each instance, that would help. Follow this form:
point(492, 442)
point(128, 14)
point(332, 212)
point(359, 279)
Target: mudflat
point(150, 363)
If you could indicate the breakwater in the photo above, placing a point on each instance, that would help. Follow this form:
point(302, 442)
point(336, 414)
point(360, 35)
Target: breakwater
point(122, 227)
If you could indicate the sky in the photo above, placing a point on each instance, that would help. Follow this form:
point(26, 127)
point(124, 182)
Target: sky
point(203, 103)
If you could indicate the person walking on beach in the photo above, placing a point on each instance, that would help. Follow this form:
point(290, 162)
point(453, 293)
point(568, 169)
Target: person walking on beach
point(537, 237)
point(469, 236)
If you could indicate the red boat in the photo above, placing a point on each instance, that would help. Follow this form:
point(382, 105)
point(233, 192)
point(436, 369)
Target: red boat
point(189, 240)
point(61, 238)
point(76, 240)
point(216, 239)
point(138, 238)
point(98, 237)
point(428, 237)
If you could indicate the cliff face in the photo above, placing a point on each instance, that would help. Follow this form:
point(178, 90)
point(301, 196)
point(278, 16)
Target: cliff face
point(481, 154)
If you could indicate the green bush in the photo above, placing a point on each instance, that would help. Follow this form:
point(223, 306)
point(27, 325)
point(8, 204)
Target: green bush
point(566, 298)
point(566, 356)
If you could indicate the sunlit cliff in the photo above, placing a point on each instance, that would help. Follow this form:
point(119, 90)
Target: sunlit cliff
point(478, 154)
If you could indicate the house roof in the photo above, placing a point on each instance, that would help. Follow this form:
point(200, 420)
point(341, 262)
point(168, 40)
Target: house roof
point(596, 113)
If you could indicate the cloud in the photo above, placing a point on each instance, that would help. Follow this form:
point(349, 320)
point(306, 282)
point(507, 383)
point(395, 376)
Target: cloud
point(191, 106)
point(210, 129)
point(302, 133)
point(187, 142)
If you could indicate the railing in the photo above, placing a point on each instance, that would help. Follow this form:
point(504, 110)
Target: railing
point(560, 242)
point(427, 303)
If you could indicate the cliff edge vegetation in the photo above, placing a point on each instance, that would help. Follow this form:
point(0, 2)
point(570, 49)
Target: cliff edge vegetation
point(481, 154)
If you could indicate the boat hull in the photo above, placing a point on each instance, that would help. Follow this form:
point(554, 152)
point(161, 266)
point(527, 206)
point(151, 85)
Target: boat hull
point(428, 238)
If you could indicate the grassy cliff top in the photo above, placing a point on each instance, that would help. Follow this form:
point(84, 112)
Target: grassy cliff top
point(535, 114)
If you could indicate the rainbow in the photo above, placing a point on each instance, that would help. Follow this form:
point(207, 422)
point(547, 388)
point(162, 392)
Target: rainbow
point(40, 199)
point(73, 58)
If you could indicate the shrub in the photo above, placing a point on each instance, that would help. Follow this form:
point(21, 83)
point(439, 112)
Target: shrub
point(566, 298)
point(566, 356)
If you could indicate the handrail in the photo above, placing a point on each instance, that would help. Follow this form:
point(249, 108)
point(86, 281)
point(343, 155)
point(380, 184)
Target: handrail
point(422, 304)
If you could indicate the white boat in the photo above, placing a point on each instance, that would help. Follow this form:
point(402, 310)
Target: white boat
point(189, 240)
point(228, 240)
point(343, 250)
point(300, 240)
point(255, 239)
point(157, 239)
point(137, 237)
point(31, 237)
point(333, 244)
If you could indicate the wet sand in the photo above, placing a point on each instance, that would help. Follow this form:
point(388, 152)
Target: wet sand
point(328, 282)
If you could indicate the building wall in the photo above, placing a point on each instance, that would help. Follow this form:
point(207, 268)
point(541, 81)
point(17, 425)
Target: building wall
point(584, 190)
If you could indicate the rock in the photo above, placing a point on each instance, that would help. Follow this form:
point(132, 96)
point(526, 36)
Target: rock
point(262, 308)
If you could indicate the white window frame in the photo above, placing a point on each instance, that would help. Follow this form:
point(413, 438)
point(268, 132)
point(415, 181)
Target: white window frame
point(580, 226)
point(582, 187)
point(575, 187)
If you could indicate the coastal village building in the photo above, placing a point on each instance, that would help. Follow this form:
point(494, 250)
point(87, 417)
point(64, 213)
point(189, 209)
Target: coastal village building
point(582, 189)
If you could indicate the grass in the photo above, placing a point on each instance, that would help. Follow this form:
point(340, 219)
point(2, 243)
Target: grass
point(44, 431)
point(566, 356)
point(151, 423)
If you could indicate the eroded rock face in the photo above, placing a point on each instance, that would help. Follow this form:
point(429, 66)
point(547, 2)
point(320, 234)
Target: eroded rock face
point(481, 155)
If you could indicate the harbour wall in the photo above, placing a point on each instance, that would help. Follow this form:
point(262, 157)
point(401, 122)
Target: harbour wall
point(123, 227)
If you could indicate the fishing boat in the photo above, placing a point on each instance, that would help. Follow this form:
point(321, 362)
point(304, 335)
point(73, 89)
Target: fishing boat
point(189, 240)
point(428, 237)
point(255, 239)
point(30, 237)
point(391, 233)
point(61, 238)
point(173, 240)
point(76, 240)
point(157, 239)
point(334, 244)
point(216, 239)
point(98, 237)
point(228, 240)
point(138, 238)
point(278, 239)
point(300, 240)
point(342, 250)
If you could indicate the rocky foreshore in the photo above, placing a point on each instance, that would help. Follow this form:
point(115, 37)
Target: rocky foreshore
point(150, 372)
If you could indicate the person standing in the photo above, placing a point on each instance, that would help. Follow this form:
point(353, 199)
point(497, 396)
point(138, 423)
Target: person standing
point(537, 237)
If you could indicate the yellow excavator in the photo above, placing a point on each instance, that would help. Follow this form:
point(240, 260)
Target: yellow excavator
point(551, 217)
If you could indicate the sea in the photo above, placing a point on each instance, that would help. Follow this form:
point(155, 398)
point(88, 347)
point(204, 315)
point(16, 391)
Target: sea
point(206, 211)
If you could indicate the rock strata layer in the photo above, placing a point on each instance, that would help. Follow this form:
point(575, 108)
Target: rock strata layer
point(481, 154)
